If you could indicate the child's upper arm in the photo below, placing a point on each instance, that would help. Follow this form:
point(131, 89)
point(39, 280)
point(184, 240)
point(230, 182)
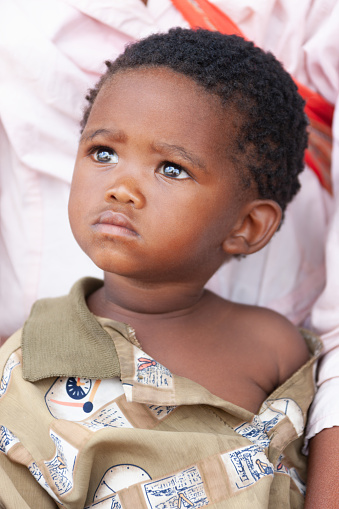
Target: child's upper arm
point(289, 345)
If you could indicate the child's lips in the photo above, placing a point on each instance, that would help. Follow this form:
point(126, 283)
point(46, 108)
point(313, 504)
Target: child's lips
point(114, 223)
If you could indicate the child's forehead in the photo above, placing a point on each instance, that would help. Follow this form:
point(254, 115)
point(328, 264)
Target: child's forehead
point(170, 90)
point(148, 93)
point(162, 80)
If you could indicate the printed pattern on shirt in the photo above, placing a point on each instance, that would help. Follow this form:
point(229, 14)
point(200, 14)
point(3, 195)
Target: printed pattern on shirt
point(13, 362)
point(7, 439)
point(150, 372)
point(289, 408)
point(107, 503)
point(61, 466)
point(160, 412)
point(77, 399)
point(280, 468)
point(37, 474)
point(184, 489)
point(258, 429)
point(119, 477)
point(108, 417)
point(292, 473)
point(246, 466)
point(298, 481)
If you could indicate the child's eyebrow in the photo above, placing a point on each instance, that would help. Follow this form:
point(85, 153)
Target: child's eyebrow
point(115, 134)
point(171, 150)
point(176, 150)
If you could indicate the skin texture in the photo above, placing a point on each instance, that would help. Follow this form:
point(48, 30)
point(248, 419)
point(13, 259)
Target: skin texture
point(157, 205)
point(322, 478)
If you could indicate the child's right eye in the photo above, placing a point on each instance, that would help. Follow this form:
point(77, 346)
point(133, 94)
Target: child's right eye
point(105, 155)
point(173, 171)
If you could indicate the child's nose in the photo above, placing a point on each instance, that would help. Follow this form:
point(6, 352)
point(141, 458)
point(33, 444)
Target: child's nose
point(126, 191)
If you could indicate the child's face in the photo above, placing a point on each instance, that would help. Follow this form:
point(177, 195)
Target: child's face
point(154, 194)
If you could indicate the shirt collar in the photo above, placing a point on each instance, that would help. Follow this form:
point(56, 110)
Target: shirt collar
point(63, 338)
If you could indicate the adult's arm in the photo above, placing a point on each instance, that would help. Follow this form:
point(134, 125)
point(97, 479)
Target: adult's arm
point(322, 479)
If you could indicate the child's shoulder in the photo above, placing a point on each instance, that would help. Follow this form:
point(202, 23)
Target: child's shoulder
point(269, 334)
point(242, 353)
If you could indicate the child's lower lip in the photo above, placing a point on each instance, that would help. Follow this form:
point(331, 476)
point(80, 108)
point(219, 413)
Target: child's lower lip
point(114, 230)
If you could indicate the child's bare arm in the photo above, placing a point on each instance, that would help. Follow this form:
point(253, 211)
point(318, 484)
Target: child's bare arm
point(278, 336)
point(292, 350)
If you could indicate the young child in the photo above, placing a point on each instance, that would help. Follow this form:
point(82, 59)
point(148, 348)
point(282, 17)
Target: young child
point(146, 390)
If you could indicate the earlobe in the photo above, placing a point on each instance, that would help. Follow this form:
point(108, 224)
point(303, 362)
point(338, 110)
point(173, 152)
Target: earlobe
point(256, 225)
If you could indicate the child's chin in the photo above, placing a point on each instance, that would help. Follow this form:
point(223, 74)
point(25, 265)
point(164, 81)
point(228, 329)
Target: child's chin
point(117, 267)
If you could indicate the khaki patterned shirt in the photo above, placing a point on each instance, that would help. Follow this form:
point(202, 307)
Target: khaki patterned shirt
point(89, 420)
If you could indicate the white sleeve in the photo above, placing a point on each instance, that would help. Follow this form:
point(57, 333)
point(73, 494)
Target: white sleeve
point(325, 318)
point(323, 53)
point(50, 54)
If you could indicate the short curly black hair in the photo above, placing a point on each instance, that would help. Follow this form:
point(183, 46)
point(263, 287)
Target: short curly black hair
point(269, 147)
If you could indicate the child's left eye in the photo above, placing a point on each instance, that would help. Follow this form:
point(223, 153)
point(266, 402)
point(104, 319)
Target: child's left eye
point(174, 171)
point(105, 155)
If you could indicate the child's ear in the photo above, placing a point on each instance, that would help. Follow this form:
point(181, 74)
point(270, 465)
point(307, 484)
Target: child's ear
point(255, 227)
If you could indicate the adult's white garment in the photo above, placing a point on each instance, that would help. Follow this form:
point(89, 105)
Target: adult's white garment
point(50, 54)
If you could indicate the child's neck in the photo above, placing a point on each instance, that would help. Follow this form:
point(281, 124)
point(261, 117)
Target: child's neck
point(130, 298)
point(160, 314)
